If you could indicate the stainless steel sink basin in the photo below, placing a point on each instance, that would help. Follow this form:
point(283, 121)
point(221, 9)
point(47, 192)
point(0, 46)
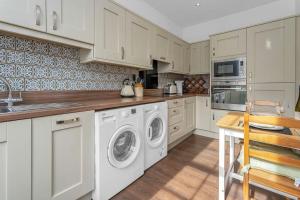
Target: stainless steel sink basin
point(5, 110)
point(23, 108)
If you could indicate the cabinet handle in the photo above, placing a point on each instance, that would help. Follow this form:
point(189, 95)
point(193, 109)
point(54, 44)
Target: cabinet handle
point(123, 53)
point(214, 54)
point(68, 121)
point(38, 15)
point(151, 60)
point(55, 18)
point(163, 58)
point(214, 117)
point(173, 64)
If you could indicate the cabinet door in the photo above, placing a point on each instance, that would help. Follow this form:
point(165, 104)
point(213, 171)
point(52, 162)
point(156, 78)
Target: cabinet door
point(161, 45)
point(205, 57)
point(110, 31)
point(187, 59)
point(63, 149)
point(15, 160)
point(271, 50)
point(203, 113)
point(195, 58)
point(280, 92)
point(200, 58)
point(26, 13)
point(216, 115)
point(138, 41)
point(228, 44)
point(298, 57)
point(177, 56)
point(73, 19)
point(190, 114)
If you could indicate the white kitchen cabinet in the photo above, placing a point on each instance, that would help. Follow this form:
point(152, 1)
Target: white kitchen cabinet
point(161, 45)
point(177, 55)
point(203, 113)
point(72, 19)
point(63, 161)
point(216, 115)
point(109, 31)
point(200, 58)
point(228, 44)
point(138, 41)
point(297, 57)
point(25, 13)
point(187, 59)
point(271, 52)
point(190, 114)
point(15, 160)
point(280, 92)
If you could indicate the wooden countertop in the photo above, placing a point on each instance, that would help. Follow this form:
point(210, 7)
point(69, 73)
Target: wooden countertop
point(233, 120)
point(96, 104)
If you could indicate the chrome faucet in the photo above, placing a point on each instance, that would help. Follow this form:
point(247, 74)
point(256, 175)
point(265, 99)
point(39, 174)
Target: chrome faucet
point(9, 100)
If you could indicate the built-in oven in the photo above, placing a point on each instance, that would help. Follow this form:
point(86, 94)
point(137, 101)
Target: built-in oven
point(229, 95)
point(229, 69)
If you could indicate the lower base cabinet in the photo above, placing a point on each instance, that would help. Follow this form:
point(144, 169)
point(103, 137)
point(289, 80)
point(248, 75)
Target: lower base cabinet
point(15, 160)
point(62, 156)
point(216, 115)
point(190, 114)
point(203, 113)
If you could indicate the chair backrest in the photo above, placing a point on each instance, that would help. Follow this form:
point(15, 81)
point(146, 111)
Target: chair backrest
point(270, 137)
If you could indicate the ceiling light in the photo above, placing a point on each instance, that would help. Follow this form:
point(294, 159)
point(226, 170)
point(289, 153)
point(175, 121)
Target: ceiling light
point(197, 4)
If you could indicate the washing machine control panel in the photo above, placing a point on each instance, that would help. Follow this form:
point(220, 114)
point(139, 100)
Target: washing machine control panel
point(128, 113)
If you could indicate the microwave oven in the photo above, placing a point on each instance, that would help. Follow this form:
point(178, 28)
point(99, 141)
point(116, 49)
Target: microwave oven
point(229, 69)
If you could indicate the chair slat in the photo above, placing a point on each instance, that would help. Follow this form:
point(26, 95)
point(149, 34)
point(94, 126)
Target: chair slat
point(288, 141)
point(274, 181)
point(275, 158)
point(276, 121)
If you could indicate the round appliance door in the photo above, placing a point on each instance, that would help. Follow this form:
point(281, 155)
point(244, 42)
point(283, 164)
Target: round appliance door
point(124, 147)
point(156, 130)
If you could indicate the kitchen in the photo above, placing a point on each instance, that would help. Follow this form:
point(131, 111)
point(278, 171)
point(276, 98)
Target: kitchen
point(66, 132)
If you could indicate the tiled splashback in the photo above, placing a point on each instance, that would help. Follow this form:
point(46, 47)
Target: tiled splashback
point(34, 65)
point(164, 79)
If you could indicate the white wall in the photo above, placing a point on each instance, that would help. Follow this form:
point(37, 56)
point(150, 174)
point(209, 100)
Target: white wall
point(143, 9)
point(268, 12)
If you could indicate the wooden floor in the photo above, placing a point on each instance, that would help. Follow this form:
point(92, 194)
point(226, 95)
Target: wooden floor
point(190, 171)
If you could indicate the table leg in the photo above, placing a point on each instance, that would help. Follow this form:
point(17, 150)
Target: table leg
point(231, 157)
point(222, 185)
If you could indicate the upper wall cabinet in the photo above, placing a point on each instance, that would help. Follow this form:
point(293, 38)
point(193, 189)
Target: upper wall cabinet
point(200, 59)
point(228, 44)
point(186, 59)
point(72, 19)
point(109, 31)
point(271, 50)
point(161, 47)
point(177, 55)
point(25, 13)
point(138, 41)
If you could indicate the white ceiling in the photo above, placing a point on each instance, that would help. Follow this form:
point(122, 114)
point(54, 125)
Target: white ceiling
point(185, 13)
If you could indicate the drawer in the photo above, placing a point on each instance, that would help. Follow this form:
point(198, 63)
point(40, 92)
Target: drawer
point(175, 119)
point(175, 111)
point(175, 131)
point(175, 103)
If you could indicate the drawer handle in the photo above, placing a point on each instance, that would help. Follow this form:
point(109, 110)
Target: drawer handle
point(175, 102)
point(174, 111)
point(55, 19)
point(38, 15)
point(69, 121)
point(175, 128)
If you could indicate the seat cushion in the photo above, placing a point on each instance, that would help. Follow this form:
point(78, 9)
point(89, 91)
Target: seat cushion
point(274, 168)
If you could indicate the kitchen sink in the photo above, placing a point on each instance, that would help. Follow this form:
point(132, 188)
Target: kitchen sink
point(25, 107)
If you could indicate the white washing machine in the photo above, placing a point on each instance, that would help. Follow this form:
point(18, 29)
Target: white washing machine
point(119, 150)
point(156, 132)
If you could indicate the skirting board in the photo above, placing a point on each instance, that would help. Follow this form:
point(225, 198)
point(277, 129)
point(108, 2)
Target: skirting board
point(206, 133)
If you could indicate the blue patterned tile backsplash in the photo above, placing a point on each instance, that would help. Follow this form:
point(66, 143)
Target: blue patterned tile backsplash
point(36, 65)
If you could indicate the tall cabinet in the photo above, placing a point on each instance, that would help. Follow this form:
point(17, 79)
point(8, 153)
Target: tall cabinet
point(15, 160)
point(271, 63)
point(63, 148)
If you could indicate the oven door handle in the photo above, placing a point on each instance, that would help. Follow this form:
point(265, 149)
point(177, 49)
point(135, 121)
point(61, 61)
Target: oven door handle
point(227, 88)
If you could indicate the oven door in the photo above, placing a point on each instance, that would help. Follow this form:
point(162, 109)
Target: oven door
point(227, 69)
point(229, 97)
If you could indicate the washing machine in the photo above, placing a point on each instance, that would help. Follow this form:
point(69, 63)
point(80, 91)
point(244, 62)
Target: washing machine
point(155, 132)
point(119, 153)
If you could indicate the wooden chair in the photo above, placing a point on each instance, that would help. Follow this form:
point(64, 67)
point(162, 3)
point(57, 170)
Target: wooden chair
point(261, 177)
